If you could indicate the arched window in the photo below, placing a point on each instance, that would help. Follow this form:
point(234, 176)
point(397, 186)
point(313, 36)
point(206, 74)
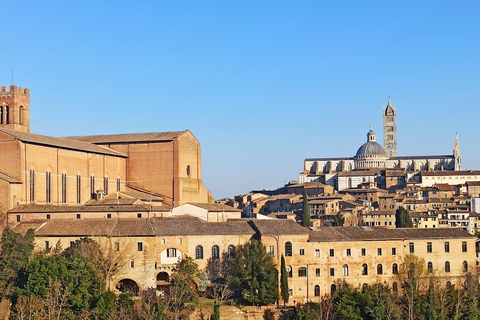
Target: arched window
point(395, 268)
point(430, 267)
point(199, 252)
point(64, 188)
point(231, 251)
point(465, 266)
point(215, 252)
point(48, 187)
point(333, 288)
point(92, 187)
point(7, 114)
point(364, 269)
point(379, 268)
point(20, 115)
point(288, 249)
point(345, 270)
point(317, 291)
point(447, 267)
point(79, 188)
point(32, 186)
point(302, 272)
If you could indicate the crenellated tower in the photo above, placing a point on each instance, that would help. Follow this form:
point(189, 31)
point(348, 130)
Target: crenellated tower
point(390, 130)
point(15, 108)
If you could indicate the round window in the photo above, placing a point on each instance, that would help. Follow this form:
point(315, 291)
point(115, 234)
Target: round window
point(188, 170)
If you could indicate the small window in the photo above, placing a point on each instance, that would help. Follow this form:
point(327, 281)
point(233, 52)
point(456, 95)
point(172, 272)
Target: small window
point(394, 251)
point(79, 216)
point(332, 252)
point(447, 246)
point(109, 216)
point(395, 268)
point(132, 264)
point(288, 249)
point(72, 243)
point(411, 247)
point(345, 270)
point(171, 253)
point(18, 218)
point(47, 245)
point(231, 251)
point(317, 291)
point(464, 246)
point(349, 252)
point(180, 240)
point(465, 266)
point(364, 252)
point(139, 215)
point(302, 272)
point(430, 267)
point(364, 269)
point(199, 252)
point(332, 272)
point(48, 217)
point(117, 246)
point(271, 251)
point(317, 272)
point(379, 251)
point(429, 247)
point(215, 252)
point(447, 267)
point(140, 246)
point(290, 271)
point(379, 268)
point(317, 253)
point(301, 252)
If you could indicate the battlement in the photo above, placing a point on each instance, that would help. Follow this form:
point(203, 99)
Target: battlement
point(15, 89)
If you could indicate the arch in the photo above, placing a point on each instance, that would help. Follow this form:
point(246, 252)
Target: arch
point(199, 252)
point(215, 252)
point(231, 251)
point(447, 267)
point(288, 249)
point(379, 268)
point(364, 269)
point(333, 288)
point(7, 114)
point(465, 266)
point(163, 277)
point(317, 291)
point(395, 268)
point(345, 270)
point(128, 285)
point(21, 112)
point(430, 267)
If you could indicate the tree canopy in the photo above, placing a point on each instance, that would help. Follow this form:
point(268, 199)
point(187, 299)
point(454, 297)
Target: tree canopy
point(402, 218)
point(305, 210)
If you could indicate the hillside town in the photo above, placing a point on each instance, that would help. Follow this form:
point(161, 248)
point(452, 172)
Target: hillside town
point(142, 196)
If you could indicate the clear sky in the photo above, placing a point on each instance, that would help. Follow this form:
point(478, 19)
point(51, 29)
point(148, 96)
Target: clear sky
point(261, 84)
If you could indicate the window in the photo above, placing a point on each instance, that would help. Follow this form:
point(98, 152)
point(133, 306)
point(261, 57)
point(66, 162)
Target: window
point(301, 252)
point(117, 246)
point(79, 188)
point(79, 216)
point(92, 187)
point(332, 252)
point(447, 246)
point(332, 272)
point(105, 185)
point(464, 246)
point(64, 188)
point(48, 216)
point(48, 187)
point(302, 272)
point(430, 267)
point(429, 247)
point(139, 215)
point(132, 264)
point(171, 253)
point(364, 269)
point(7, 114)
point(271, 251)
point(364, 252)
point(118, 184)
point(379, 251)
point(47, 245)
point(465, 266)
point(231, 251)
point(395, 268)
point(379, 268)
point(349, 252)
point(18, 218)
point(394, 251)
point(215, 252)
point(317, 253)
point(32, 186)
point(199, 252)
point(288, 249)
point(317, 272)
point(317, 291)
point(290, 271)
point(333, 288)
point(411, 247)
point(345, 270)
point(109, 216)
point(140, 246)
point(447, 267)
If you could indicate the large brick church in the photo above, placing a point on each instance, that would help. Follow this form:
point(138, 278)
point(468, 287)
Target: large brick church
point(42, 171)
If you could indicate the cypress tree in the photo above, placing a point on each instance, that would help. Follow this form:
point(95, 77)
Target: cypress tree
point(305, 210)
point(284, 281)
point(402, 218)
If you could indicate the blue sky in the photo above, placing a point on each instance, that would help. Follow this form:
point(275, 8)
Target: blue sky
point(262, 84)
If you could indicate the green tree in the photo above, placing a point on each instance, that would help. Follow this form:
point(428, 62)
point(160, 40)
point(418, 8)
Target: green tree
point(402, 218)
point(412, 277)
point(338, 220)
point(305, 210)
point(268, 314)
point(284, 281)
point(252, 274)
point(431, 303)
point(347, 303)
point(471, 311)
point(216, 311)
point(309, 311)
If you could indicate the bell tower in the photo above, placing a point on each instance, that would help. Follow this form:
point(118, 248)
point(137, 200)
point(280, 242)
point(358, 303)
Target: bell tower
point(15, 108)
point(390, 130)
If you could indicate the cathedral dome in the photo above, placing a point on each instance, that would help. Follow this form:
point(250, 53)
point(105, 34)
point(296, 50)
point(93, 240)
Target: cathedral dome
point(370, 148)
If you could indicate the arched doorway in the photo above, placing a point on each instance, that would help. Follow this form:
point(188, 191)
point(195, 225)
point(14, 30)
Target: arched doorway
point(128, 285)
point(163, 281)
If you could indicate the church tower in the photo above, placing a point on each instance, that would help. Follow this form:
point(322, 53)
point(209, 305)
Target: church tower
point(456, 155)
point(390, 130)
point(15, 108)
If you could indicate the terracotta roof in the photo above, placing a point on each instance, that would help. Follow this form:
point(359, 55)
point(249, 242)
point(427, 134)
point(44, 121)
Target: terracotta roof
point(113, 202)
point(130, 137)
point(185, 225)
point(61, 143)
point(379, 212)
point(278, 227)
point(379, 233)
point(451, 173)
point(37, 208)
point(215, 207)
point(10, 179)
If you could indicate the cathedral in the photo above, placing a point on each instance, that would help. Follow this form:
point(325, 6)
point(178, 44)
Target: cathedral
point(374, 164)
point(42, 173)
